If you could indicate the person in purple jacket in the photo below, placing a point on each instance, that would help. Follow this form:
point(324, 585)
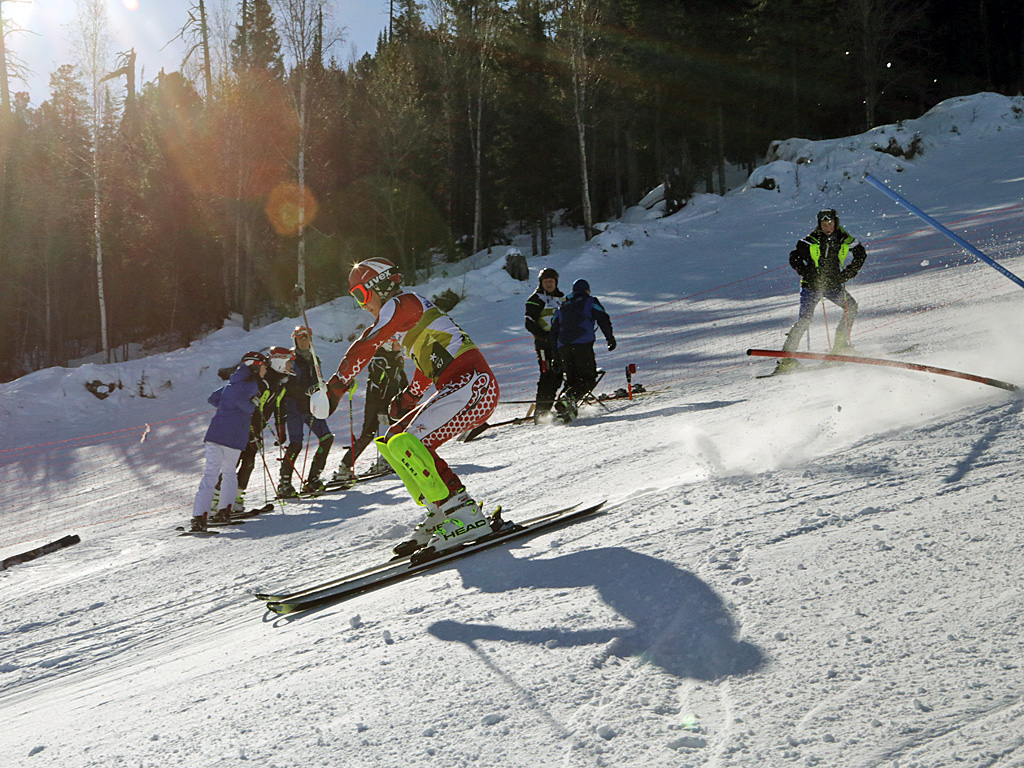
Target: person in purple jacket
point(227, 437)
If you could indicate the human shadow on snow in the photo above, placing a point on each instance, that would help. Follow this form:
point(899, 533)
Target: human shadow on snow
point(679, 623)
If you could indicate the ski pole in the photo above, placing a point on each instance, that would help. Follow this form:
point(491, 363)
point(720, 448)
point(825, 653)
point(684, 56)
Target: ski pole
point(351, 426)
point(322, 404)
point(824, 314)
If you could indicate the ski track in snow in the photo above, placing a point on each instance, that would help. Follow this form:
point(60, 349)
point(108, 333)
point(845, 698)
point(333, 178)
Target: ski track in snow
point(812, 570)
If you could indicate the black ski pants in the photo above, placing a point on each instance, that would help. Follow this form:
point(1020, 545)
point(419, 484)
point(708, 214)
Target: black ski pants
point(549, 382)
point(580, 368)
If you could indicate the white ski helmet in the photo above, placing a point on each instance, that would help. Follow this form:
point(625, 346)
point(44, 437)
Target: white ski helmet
point(280, 357)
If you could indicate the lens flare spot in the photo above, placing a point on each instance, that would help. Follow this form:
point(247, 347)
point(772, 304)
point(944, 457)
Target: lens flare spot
point(131, 5)
point(289, 206)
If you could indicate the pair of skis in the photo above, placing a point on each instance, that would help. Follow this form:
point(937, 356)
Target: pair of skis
point(401, 568)
point(237, 518)
point(334, 486)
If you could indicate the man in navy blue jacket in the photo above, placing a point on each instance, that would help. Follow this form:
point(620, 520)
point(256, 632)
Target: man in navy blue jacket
point(573, 328)
point(227, 437)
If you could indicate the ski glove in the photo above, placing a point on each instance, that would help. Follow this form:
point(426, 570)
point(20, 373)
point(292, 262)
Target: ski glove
point(336, 389)
point(611, 343)
point(403, 402)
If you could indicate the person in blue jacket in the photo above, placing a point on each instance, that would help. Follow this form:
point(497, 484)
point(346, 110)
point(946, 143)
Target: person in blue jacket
point(227, 437)
point(573, 330)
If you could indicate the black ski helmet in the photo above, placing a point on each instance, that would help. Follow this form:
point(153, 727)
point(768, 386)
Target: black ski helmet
point(545, 274)
point(252, 359)
point(828, 213)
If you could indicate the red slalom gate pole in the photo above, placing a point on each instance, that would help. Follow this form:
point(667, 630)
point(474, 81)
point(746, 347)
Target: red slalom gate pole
point(886, 363)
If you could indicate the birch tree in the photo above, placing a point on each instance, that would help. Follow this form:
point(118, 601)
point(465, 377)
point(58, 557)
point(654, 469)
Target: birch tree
point(92, 46)
point(301, 23)
point(577, 35)
point(482, 20)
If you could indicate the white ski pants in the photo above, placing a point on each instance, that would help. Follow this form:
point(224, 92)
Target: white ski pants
point(220, 462)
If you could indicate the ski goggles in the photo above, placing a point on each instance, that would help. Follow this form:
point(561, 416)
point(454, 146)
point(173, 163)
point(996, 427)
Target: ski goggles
point(361, 294)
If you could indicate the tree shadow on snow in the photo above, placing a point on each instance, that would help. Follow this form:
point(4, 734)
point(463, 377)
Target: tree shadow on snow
point(679, 623)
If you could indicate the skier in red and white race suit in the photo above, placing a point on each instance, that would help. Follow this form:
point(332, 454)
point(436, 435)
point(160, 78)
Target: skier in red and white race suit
point(467, 394)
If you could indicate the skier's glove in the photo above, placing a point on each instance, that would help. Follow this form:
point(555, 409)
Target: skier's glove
point(402, 403)
point(336, 389)
point(612, 344)
point(255, 400)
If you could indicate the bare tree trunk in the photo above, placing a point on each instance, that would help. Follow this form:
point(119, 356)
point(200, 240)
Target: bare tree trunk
point(580, 19)
point(92, 46)
point(484, 23)
point(301, 23)
point(204, 31)
point(5, 86)
point(97, 223)
point(300, 272)
point(247, 280)
point(720, 148)
point(478, 168)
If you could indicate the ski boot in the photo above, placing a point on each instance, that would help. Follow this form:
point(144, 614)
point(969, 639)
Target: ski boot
point(239, 505)
point(565, 408)
point(222, 517)
point(436, 515)
point(381, 467)
point(286, 490)
point(313, 485)
point(343, 476)
point(464, 522)
point(786, 365)
point(198, 524)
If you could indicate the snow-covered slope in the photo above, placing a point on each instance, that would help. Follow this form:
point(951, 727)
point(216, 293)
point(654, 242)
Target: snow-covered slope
point(821, 569)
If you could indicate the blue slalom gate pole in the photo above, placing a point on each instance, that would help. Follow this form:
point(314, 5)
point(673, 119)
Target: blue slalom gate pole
point(951, 235)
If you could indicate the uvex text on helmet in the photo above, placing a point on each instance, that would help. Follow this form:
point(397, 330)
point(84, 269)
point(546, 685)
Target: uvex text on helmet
point(374, 275)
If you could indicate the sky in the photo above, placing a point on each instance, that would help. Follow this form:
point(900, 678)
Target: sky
point(818, 569)
point(150, 27)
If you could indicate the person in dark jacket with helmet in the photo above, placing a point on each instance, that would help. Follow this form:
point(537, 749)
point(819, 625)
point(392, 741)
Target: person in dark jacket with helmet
point(540, 309)
point(299, 416)
point(573, 329)
point(385, 380)
point(825, 260)
point(227, 437)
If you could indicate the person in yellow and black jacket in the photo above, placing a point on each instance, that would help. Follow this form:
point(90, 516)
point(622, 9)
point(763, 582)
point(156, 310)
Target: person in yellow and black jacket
point(540, 309)
point(385, 380)
point(825, 260)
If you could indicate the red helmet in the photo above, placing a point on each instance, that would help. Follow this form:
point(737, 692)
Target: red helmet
point(379, 275)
